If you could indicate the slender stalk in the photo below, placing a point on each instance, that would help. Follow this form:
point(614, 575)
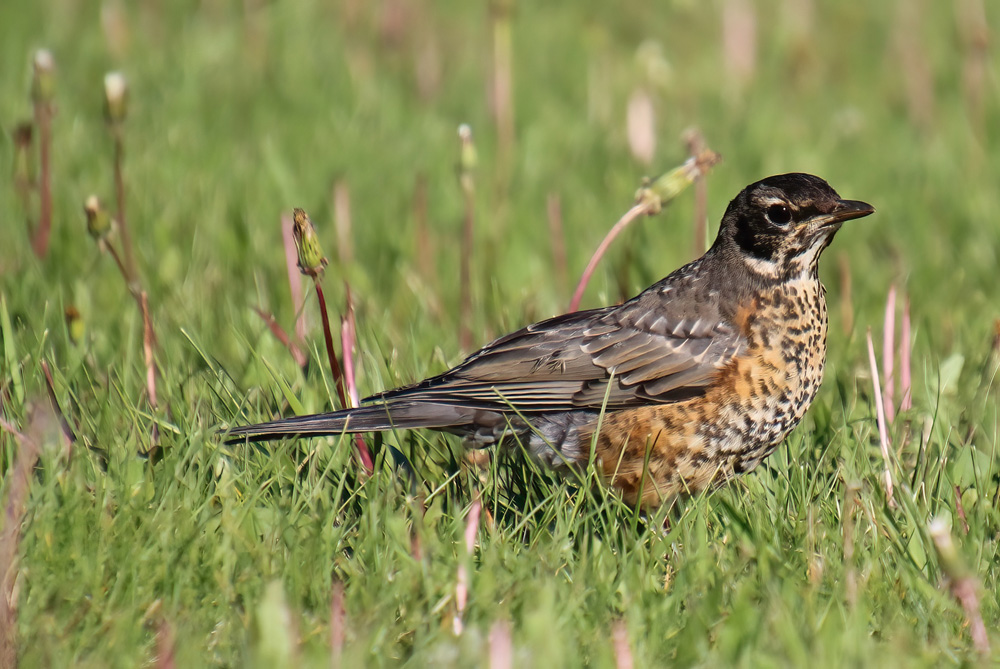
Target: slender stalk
point(148, 343)
point(67, 430)
point(347, 339)
point(23, 179)
point(974, 31)
point(914, 67)
point(338, 620)
point(294, 286)
point(623, 652)
point(342, 222)
point(42, 95)
point(651, 198)
point(888, 356)
point(100, 227)
point(501, 647)
point(424, 248)
point(331, 354)
point(297, 354)
point(43, 119)
point(640, 125)
point(118, 262)
point(503, 85)
point(696, 146)
point(635, 212)
point(905, 364)
point(348, 336)
point(883, 435)
point(312, 263)
point(467, 164)
point(960, 508)
point(18, 484)
point(123, 229)
point(115, 112)
point(165, 655)
point(462, 577)
point(961, 581)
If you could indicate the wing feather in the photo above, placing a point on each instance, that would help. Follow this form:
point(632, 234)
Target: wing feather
point(567, 362)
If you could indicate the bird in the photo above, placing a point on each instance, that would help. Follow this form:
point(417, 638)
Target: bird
point(690, 383)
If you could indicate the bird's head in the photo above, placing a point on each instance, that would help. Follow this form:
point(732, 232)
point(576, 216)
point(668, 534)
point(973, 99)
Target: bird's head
point(781, 224)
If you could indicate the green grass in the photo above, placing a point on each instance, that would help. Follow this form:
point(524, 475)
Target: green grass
point(236, 117)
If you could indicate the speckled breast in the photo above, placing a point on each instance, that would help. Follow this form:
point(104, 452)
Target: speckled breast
point(775, 382)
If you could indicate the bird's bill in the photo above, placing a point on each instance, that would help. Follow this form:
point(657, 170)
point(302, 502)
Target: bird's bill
point(848, 209)
point(844, 211)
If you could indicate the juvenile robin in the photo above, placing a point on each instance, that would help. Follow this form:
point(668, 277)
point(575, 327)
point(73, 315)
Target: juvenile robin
point(699, 377)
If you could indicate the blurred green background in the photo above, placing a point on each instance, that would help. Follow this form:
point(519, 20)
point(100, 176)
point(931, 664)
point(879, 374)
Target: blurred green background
point(240, 111)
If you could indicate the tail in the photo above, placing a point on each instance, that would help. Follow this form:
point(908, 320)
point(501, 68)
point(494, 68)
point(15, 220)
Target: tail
point(380, 417)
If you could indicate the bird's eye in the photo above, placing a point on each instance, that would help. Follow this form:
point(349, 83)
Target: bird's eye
point(779, 214)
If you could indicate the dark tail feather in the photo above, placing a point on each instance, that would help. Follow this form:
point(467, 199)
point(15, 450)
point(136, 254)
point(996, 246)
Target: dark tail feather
point(373, 418)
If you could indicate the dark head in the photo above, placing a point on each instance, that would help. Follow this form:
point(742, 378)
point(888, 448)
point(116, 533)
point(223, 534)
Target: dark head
point(781, 224)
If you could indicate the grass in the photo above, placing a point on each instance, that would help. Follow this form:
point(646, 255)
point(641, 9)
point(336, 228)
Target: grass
point(239, 114)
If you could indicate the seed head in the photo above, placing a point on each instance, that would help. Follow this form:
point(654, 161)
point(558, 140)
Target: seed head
point(115, 97)
point(311, 260)
point(43, 84)
point(98, 219)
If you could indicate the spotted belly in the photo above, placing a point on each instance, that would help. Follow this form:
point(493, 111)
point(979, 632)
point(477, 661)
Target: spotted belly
point(653, 454)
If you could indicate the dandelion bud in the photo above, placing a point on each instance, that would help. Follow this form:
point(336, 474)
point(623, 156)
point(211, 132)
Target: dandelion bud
point(467, 158)
point(43, 84)
point(98, 220)
point(115, 97)
point(311, 260)
point(657, 194)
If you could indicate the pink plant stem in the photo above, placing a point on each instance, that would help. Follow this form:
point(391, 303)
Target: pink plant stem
point(120, 203)
point(961, 509)
point(348, 337)
point(17, 480)
point(280, 334)
point(294, 279)
point(503, 82)
point(501, 646)
point(165, 657)
point(331, 354)
point(883, 436)
point(462, 584)
point(342, 221)
point(635, 212)
point(63, 423)
point(338, 619)
point(623, 652)
point(465, 273)
point(965, 592)
point(43, 117)
point(905, 350)
point(424, 247)
point(696, 147)
point(338, 376)
point(888, 355)
point(148, 342)
point(700, 216)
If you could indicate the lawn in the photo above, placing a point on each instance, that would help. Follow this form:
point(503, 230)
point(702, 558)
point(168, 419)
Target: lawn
point(143, 540)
